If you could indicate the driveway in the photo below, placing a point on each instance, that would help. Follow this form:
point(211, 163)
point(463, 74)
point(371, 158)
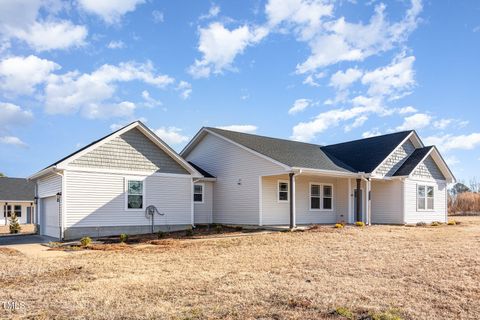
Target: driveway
point(30, 245)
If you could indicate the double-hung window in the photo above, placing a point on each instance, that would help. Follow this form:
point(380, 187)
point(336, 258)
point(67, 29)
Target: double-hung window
point(425, 197)
point(321, 196)
point(17, 210)
point(283, 191)
point(198, 193)
point(135, 194)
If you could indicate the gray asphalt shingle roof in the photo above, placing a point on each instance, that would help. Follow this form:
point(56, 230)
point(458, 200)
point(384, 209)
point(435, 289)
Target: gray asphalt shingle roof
point(19, 189)
point(411, 163)
point(202, 172)
point(362, 155)
point(291, 153)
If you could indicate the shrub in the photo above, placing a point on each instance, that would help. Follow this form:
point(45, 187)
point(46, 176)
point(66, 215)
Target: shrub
point(360, 224)
point(189, 232)
point(344, 312)
point(14, 225)
point(218, 228)
point(123, 237)
point(387, 315)
point(452, 223)
point(338, 226)
point(435, 224)
point(421, 224)
point(160, 234)
point(85, 241)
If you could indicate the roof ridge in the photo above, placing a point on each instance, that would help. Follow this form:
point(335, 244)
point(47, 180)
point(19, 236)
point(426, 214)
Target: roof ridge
point(262, 136)
point(369, 138)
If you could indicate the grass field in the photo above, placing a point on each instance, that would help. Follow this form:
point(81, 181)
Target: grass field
point(414, 272)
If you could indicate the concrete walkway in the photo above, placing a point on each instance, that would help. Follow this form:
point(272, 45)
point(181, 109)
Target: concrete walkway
point(30, 245)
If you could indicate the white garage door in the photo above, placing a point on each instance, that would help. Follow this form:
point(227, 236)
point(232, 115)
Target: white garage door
point(50, 217)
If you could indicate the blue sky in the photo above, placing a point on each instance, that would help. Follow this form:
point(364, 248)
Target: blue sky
point(309, 70)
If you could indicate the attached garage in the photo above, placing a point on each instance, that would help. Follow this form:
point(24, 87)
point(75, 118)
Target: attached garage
point(49, 222)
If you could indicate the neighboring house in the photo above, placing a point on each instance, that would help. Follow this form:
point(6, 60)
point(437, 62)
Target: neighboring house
point(17, 196)
point(388, 179)
point(106, 187)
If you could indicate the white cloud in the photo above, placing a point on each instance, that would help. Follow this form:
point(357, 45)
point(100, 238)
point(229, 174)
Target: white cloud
point(219, 47)
point(15, 141)
point(19, 20)
point(110, 11)
point(338, 40)
point(311, 79)
point(341, 80)
point(212, 13)
point(393, 80)
point(451, 142)
point(300, 105)
point(171, 135)
point(119, 44)
point(408, 109)
point(72, 91)
point(185, 89)
point(149, 101)
point(451, 160)
point(158, 16)
point(12, 116)
point(20, 75)
point(416, 121)
point(245, 128)
point(358, 122)
point(442, 123)
point(371, 133)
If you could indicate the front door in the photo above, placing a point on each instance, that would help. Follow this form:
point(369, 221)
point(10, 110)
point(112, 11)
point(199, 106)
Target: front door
point(355, 205)
point(29, 215)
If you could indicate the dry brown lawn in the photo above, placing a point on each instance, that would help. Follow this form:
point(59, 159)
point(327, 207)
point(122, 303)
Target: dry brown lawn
point(421, 272)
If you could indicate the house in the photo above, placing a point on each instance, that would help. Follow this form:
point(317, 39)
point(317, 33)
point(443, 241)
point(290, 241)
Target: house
point(388, 179)
point(17, 196)
point(116, 184)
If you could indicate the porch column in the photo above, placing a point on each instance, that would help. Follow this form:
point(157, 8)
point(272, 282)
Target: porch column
point(368, 213)
point(292, 200)
point(349, 199)
point(358, 211)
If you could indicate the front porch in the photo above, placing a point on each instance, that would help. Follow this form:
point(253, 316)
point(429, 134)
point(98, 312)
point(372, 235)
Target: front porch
point(326, 199)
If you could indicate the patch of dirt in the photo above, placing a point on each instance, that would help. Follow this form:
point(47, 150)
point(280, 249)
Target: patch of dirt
point(9, 252)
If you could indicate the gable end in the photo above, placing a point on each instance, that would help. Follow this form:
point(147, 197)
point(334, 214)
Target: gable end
point(428, 169)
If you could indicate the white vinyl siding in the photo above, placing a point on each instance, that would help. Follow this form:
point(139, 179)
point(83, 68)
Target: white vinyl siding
point(237, 171)
point(49, 185)
point(386, 201)
point(203, 211)
point(278, 213)
point(413, 214)
point(104, 204)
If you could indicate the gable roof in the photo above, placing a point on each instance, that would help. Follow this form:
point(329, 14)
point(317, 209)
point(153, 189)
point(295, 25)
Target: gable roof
point(412, 161)
point(288, 152)
point(16, 189)
point(365, 155)
point(137, 124)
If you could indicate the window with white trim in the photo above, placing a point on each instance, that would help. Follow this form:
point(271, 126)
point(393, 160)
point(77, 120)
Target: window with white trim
point(198, 192)
point(425, 197)
point(17, 209)
point(135, 194)
point(283, 191)
point(321, 196)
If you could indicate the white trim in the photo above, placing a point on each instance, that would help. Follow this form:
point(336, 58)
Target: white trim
point(278, 191)
point(128, 172)
point(19, 201)
point(64, 203)
point(203, 192)
point(350, 215)
point(42, 173)
point(321, 196)
point(192, 204)
point(133, 178)
point(395, 149)
point(287, 168)
point(330, 173)
point(426, 197)
point(260, 199)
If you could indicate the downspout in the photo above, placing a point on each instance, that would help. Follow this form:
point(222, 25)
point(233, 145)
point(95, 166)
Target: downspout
point(292, 200)
point(61, 196)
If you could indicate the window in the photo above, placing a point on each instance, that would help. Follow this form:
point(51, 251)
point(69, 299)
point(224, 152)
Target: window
point(327, 198)
point(135, 194)
point(315, 196)
point(18, 210)
point(198, 193)
point(282, 191)
point(321, 197)
point(425, 197)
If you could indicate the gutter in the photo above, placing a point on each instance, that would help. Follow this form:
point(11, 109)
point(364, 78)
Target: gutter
point(52, 169)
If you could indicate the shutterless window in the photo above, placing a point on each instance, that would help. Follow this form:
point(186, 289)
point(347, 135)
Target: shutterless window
point(18, 210)
point(198, 193)
point(282, 191)
point(135, 194)
point(315, 196)
point(425, 197)
point(327, 198)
